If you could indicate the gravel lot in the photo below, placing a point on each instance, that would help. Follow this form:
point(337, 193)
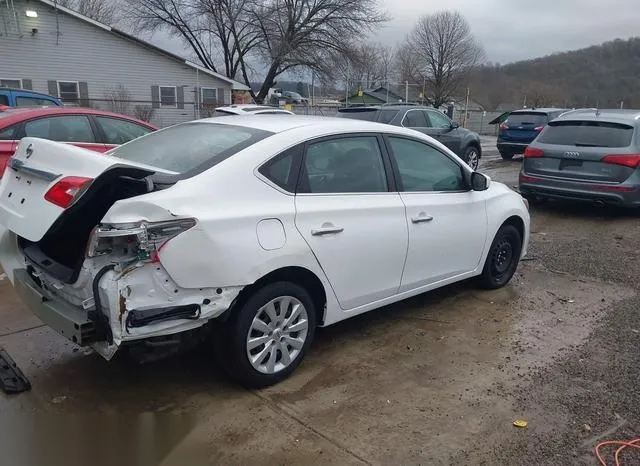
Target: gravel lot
point(438, 379)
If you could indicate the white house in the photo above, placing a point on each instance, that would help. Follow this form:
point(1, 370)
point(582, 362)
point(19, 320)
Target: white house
point(51, 49)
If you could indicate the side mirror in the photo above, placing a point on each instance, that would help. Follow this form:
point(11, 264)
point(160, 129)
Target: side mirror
point(454, 125)
point(479, 181)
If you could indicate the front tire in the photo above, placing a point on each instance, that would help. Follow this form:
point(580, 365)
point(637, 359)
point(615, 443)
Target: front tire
point(267, 337)
point(472, 157)
point(502, 259)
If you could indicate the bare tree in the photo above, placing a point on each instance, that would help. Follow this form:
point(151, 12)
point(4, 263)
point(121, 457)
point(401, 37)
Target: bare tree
point(440, 51)
point(104, 11)
point(118, 99)
point(363, 67)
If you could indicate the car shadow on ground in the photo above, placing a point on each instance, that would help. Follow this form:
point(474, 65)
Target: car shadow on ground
point(85, 381)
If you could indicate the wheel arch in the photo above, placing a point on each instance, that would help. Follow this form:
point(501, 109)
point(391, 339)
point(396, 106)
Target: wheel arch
point(295, 274)
point(517, 222)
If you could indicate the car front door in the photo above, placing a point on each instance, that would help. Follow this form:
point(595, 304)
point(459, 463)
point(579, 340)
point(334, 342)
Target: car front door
point(70, 129)
point(442, 127)
point(351, 219)
point(447, 222)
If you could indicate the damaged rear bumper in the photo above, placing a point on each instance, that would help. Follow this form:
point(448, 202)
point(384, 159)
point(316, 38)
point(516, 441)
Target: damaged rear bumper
point(127, 306)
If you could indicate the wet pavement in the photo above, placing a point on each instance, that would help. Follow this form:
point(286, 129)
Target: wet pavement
point(437, 379)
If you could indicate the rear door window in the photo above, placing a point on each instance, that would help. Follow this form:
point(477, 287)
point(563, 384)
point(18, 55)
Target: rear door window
point(527, 118)
point(344, 165)
point(415, 119)
point(68, 128)
point(8, 134)
point(587, 134)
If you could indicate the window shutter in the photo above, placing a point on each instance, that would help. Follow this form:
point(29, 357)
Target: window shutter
point(155, 96)
point(53, 88)
point(180, 96)
point(83, 90)
point(27, 84)
point(221, 96)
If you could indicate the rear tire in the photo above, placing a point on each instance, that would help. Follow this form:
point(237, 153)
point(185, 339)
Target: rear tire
point(506, 155)
point(503, 258)
point(266, 339)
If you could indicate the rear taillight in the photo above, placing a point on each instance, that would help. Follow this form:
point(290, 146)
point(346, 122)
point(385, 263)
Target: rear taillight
point(65, 191)
point(538, 128)
point(3, 166)
point(504, 127)
point(628, 160)
point(531, 152)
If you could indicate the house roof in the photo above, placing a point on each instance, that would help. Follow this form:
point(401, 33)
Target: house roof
point(235, 85)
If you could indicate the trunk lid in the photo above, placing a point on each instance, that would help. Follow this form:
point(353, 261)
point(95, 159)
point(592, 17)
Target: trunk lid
point(36, 167)
point(575, 150)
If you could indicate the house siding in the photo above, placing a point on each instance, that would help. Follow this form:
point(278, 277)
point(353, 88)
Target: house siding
point(66, 48)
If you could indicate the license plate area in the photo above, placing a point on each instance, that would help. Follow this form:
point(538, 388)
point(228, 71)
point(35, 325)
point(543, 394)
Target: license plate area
point(21, 190)
point(570, 164)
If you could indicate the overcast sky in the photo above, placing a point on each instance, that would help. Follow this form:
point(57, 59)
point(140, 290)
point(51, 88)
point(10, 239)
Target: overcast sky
point(512, 30)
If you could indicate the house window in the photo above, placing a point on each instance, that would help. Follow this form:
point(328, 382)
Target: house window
point(15, 83)
point(68, 91)
point(168, 97)
point(209, 96)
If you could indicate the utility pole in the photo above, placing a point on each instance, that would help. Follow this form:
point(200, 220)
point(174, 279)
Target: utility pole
point(406, 92)
point(466, 110)
point(424, 84)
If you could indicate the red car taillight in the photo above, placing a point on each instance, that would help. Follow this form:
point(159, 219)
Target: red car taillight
point(3, 166)
point(627, 160)
point(66, 190)
point(531, 152)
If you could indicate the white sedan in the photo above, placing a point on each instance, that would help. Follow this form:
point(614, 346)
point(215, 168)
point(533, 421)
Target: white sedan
point(265, 226)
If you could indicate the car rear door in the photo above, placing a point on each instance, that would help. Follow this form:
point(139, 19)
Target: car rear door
point(589, 151)
point(447, 222)
point(447, 135)
point(354, 224)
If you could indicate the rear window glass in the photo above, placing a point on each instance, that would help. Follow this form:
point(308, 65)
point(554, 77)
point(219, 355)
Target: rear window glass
point(190, 147)
point(587, 134)
point(368, 115)
point(527, 118)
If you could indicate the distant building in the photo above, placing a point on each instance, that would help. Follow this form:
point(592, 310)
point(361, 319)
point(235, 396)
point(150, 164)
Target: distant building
point(52, 49)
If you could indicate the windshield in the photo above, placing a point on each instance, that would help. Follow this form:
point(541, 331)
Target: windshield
point(587, 134)
point(527, 118)
point(190, 147)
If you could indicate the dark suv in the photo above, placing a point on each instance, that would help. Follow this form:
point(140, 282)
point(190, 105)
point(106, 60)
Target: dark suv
point(427, 120)
point(521, 127)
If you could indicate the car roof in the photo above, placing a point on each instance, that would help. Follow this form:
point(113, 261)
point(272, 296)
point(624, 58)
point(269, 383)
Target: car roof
point(540, 110)
point(281, 123)
point(626, 116)
point(28, 91)
point(14, 115)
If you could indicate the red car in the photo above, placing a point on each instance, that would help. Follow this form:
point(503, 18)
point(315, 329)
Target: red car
point(84, 127)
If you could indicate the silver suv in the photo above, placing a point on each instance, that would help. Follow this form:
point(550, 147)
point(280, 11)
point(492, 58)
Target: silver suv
point(587, 155)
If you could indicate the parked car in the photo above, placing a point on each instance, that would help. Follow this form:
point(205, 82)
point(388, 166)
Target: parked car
point(294, 98)
point(84, 127)
point(250, 109)
point(10, 97)
point(522, 127)
point(268, 225)
point(588, 155)
point(427, 120)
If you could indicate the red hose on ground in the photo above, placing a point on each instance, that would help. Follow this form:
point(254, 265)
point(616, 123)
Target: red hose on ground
point(621, 446)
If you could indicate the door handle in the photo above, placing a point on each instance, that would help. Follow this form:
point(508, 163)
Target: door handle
point(422, 218)
point(326, 230)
